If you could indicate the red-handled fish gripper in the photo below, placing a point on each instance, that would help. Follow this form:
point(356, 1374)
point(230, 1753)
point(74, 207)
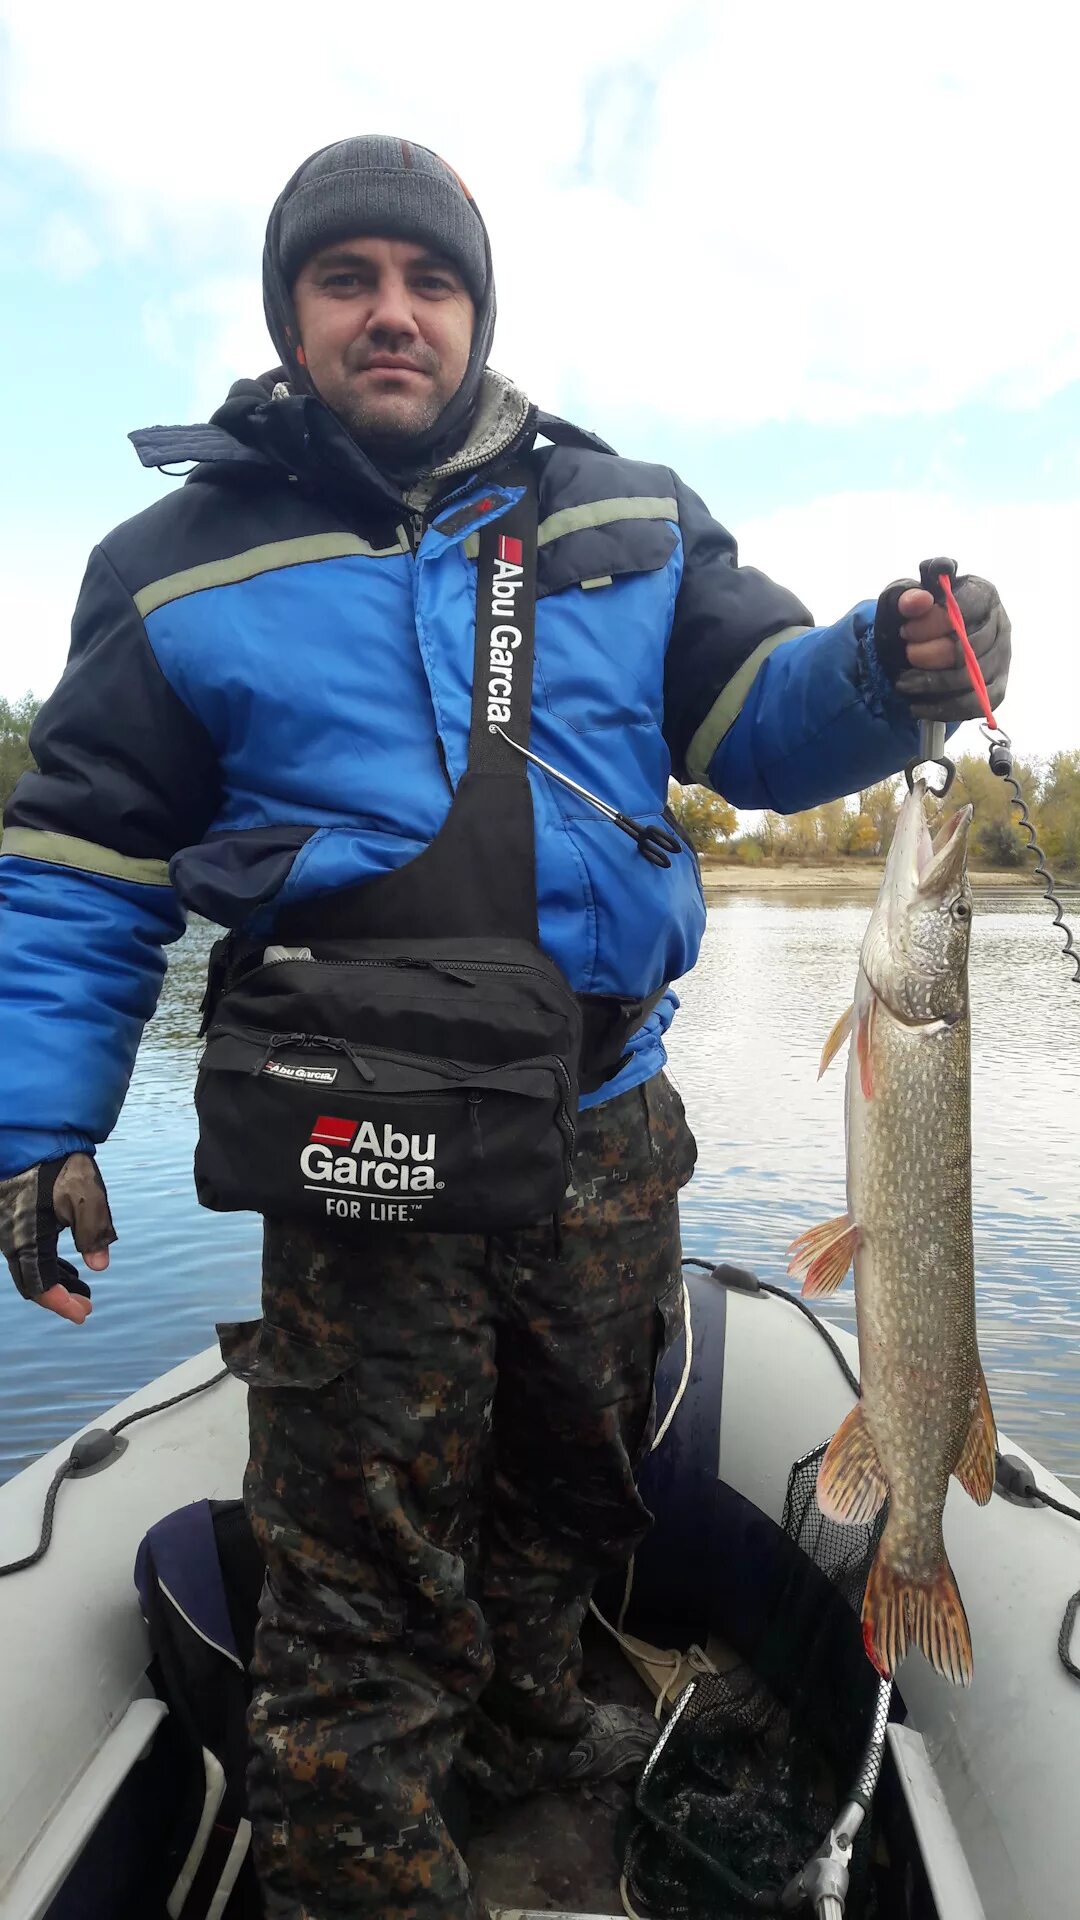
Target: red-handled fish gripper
point(939, 578)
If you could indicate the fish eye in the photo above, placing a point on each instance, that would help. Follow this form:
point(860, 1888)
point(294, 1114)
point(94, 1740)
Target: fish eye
point(961, 910)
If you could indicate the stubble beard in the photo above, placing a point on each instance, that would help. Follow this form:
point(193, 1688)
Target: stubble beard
point(388, 423)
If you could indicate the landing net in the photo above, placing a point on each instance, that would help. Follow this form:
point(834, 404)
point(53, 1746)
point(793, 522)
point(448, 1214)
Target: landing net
point(759, 1759)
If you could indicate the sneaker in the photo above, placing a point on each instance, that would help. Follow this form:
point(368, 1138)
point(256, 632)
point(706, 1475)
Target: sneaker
point(615, 1745)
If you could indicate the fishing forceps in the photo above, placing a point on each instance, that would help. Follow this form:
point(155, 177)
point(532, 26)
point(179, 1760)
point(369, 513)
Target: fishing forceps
point(653, 842)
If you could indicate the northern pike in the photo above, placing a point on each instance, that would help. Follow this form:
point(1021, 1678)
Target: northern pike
point(924, 1411)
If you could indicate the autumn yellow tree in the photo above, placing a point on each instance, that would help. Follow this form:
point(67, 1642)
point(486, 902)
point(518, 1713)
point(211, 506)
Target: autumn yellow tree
point(880, 804)
point(1059, 812)
point(995, 839)
point(702, 815)
point(834, 828)
point(862, 835)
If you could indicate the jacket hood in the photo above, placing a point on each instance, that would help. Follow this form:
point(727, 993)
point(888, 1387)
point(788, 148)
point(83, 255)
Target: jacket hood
point(447, 433)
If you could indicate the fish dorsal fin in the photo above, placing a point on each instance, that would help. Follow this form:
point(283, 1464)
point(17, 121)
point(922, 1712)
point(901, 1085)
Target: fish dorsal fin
point(851, 1482)
point(840, 1033)
point(975, 1467)
point(822, 1255)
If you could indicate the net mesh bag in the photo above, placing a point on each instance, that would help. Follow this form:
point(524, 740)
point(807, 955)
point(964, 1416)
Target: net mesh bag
point(758, 1758)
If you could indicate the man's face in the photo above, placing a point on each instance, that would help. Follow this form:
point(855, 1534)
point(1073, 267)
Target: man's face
point(386, 328)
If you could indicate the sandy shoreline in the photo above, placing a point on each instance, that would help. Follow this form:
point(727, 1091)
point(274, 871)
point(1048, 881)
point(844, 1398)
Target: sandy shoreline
point(719, 880)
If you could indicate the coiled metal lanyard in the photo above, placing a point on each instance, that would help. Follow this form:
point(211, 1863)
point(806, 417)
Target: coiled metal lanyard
point(939, 578)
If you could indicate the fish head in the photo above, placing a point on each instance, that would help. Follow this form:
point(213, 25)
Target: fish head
point(915, 952)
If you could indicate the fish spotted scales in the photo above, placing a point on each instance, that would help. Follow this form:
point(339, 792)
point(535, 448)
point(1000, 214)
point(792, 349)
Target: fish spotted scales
point(924, 1412)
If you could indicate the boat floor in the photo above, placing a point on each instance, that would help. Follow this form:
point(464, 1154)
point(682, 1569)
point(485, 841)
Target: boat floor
point(563, 1849)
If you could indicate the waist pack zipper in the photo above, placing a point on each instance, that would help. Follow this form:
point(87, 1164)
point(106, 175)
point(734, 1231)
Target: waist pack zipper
point(278, 1042)
point(454, 969)
point(330, 1043)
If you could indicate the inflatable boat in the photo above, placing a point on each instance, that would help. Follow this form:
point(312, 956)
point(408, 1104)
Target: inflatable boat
point(974, 1813)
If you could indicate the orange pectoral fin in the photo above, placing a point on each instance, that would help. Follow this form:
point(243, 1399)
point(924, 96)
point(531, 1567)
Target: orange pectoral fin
point(822, 1255)
point(975, 1467)
point(851, 1482)
point(864, 1035)
point(840, 1033)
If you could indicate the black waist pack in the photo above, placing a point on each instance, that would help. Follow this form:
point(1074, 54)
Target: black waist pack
point(431, 1086)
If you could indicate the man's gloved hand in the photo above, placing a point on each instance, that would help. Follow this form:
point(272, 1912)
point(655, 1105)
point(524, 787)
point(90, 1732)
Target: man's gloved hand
point(920, 652)
point(34, 1208)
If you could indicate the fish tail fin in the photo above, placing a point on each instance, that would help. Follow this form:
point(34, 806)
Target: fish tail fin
point(898, 1610)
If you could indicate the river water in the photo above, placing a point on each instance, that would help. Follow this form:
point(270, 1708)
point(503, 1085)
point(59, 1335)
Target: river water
point(774, 973)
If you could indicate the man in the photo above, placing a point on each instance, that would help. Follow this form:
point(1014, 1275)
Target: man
point(267, 702)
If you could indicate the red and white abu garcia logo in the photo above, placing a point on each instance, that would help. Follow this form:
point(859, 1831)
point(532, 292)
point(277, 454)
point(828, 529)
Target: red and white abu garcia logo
point(505, 636)
point(369, 1159)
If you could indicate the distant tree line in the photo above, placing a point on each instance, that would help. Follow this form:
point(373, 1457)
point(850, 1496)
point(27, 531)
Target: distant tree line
point(862, 827)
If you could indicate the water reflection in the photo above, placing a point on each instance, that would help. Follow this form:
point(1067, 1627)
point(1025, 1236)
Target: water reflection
point(774, 974)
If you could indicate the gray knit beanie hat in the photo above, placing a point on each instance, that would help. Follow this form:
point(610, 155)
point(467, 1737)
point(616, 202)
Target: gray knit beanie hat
point(379, 185)
point(382, 186)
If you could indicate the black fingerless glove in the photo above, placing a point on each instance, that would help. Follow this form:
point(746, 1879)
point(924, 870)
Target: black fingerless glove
point(946, 693)
point(37, 1205)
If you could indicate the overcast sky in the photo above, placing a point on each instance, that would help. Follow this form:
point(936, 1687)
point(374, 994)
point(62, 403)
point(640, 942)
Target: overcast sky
point(822, 260)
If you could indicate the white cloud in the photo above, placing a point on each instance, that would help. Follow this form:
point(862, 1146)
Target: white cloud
point(36, 605)
point(214, 332)
point(66, 249)
point(846, 547)
point(734, 213)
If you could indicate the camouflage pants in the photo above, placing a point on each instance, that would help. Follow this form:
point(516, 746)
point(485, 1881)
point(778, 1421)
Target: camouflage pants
point(443, 1438)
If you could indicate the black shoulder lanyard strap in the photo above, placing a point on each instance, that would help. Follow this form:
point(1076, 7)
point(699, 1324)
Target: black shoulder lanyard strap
point(505, 634)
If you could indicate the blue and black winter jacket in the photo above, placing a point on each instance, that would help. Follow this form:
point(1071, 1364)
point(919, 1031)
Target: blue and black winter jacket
point(268, 697)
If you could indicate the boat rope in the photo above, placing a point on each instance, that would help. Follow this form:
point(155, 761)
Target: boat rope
point(1015, 1478)
point(784, 1293)
point(87, 1453)
point(1066, 1634)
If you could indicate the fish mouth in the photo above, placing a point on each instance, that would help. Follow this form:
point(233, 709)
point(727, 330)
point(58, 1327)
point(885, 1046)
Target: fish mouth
point(942, 856)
